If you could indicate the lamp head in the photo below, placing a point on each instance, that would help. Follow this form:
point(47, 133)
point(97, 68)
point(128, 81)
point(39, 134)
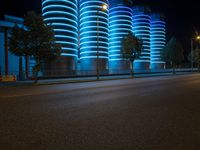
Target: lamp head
point(104, 7)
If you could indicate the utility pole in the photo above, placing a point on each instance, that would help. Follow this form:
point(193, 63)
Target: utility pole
point(103, 8)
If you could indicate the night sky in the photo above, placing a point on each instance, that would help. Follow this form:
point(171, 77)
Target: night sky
point(182, 17)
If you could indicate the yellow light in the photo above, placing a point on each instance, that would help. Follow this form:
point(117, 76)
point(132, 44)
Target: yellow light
point(198, 37)
point(105, 7)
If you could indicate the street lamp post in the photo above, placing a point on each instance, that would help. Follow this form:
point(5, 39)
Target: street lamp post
point(97, 67)
point(104, 7)
point(192, 51)
point(192, 55)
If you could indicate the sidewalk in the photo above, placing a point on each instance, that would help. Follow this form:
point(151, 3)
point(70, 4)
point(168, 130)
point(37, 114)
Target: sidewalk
point(86, 79)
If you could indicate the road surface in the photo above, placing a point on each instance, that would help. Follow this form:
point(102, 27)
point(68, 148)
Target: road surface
point(155, 113)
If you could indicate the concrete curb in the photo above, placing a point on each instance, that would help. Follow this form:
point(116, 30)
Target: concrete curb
point(31, 83)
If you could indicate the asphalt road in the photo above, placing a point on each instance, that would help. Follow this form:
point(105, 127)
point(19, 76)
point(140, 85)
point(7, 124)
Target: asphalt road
point(158, 113)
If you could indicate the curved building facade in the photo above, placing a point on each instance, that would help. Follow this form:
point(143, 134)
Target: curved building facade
point(120, 24)
point(158, 41)
point(141, 28)
point(63, 16)
point(93, 34)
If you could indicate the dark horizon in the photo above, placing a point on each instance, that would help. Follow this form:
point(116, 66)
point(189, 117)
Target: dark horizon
point(180, 23)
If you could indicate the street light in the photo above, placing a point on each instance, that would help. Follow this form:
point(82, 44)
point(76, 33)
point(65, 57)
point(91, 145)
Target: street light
point(103, 8)
point(192, 49)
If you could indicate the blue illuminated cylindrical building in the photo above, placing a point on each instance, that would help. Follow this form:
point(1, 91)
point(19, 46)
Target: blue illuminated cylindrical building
point(141, 28)
point(63, 16)
point(120, 24)
point(93, 30)
point(158, 41)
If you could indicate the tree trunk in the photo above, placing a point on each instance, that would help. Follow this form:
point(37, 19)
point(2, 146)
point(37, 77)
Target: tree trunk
point(132, 71)
point(37, 68)
point(174, 68)
point(36, 77)
point(27, 66)
point(20, 68)
point(0, 70)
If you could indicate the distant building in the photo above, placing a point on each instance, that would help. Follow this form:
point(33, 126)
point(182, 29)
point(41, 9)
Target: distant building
point(9, 64)
point(158, 41)
point(141, 28)
point(120, 25)
point(93, 30)
point(91, 37)
point(63, 16)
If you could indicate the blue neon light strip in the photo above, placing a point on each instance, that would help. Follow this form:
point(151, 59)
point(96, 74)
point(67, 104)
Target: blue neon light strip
point(50, 6)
